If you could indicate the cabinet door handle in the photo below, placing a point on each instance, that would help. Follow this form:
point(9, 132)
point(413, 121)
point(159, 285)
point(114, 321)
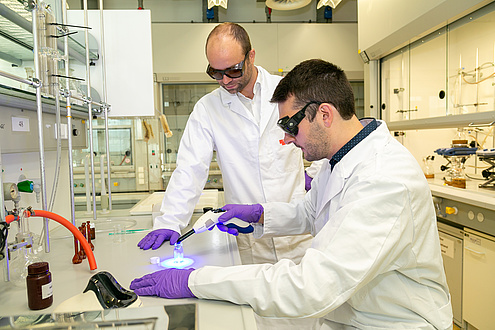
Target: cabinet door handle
point(474, 251)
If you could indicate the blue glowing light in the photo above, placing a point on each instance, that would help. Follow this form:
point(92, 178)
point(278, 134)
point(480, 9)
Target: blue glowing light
point(177, 263)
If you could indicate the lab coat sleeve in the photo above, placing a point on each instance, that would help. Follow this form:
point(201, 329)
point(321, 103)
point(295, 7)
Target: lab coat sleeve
point(315, 167)
point(282, 219)
point(361, 239)
point(189, 177)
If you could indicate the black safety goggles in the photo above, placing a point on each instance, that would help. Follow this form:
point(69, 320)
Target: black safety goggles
point(289, 124)
point(233, 72)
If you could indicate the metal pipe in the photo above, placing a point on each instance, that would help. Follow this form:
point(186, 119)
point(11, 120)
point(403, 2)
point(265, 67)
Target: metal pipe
point(107, 143)
point(90, 112)
point(68, 107)
point(87, 101)
point(19, 79)
point(40, 123)
point(2, 218)
point(104, 87)
point(56, 87)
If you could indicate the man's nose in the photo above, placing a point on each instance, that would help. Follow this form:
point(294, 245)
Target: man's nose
point(288, 138)
point(226, 79)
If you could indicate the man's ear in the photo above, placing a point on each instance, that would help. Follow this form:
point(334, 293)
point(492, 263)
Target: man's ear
point(326, 110)
point(252, 55)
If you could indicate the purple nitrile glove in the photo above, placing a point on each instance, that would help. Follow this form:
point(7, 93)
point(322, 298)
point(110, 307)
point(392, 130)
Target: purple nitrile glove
point(156, 238)
point(248, 213)
point(307, 181)
point(168, 283)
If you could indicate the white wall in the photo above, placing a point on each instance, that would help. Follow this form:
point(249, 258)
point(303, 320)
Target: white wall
point(277, 45)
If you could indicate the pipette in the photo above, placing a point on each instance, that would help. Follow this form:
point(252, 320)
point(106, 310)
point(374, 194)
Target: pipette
point(210, 219)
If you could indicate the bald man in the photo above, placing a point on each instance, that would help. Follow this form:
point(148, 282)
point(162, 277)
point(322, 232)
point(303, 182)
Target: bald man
point(240, 124)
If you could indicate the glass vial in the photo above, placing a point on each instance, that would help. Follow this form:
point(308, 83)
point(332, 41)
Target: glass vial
point(178, 252)
point(39, 286)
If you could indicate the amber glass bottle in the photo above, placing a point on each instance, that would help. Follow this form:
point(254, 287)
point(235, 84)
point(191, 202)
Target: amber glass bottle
point(39, 286)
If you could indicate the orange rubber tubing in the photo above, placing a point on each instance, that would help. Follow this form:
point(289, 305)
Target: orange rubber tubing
point(10, 218)
point(64, 222)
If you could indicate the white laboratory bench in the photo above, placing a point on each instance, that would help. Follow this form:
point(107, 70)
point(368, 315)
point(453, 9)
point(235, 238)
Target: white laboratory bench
point(474, 206)
point(482, 197)
point(125, 261)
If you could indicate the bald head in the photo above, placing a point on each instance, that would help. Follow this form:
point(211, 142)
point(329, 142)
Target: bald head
point(229, 32)
point(228, 45)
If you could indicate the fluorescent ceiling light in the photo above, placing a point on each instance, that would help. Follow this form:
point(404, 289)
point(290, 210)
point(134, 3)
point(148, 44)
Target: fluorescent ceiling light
point(213, 3)
point(286, 4)
point(331, 3)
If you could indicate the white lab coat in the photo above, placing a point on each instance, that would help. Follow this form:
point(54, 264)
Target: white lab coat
point(375, 261)
point(255, 167)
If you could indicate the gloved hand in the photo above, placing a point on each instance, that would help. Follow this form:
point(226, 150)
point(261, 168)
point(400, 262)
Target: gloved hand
point(168, 283)
point(307, 181)
point(156, 238)
point(248, 213)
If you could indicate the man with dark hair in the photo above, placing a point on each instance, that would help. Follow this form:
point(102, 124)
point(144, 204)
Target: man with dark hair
point(375, 260)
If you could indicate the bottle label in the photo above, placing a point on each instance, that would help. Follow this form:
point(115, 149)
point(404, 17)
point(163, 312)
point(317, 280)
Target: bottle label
point(46, 290)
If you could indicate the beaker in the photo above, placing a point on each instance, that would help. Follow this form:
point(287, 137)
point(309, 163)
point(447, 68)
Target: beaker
point(20, 260)
point(118, 234)
point(456, 173)
point(428, 169)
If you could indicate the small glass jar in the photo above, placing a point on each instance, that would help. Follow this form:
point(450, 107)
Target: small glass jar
point(39, 286)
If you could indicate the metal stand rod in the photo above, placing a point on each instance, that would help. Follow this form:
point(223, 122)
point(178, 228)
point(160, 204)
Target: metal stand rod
point(69, 117)
point(107, 143)
point(88, 100)
point(104, 86)
point(90, 112)
point(56, 87)
point(19, 79)
point(2, 218)
point(40, 124)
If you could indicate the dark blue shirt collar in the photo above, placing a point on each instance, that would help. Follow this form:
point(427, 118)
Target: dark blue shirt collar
point(371, 125)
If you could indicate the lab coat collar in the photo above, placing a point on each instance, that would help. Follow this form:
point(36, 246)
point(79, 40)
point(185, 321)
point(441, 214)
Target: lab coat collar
point(331, 182)
point(267, 87)
point(362, 151)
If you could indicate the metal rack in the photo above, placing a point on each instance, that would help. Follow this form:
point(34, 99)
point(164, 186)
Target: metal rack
point(42, 37)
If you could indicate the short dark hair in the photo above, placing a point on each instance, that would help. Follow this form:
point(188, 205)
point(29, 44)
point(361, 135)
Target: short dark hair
point(320, 81)
point(234, 30)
